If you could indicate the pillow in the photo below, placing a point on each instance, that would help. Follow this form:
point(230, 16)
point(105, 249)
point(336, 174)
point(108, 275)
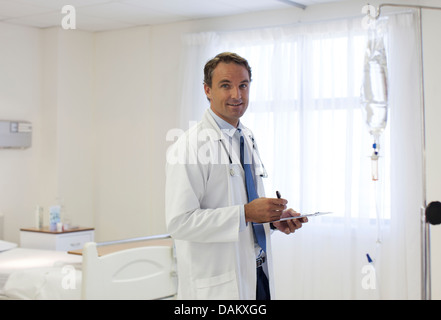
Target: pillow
point(5, 245)
point(49, 283)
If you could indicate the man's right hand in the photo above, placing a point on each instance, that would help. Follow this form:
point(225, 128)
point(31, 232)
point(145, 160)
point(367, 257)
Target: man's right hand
point(264, 209)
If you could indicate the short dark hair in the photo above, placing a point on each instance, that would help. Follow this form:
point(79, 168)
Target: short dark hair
point(226, 57)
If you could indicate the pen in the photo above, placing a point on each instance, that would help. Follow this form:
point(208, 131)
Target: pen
point(278, 195)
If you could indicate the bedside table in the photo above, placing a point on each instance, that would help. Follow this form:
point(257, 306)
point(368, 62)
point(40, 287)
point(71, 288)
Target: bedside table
point(67, 240)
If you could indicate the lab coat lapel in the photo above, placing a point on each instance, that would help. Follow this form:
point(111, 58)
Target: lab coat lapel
point(218, 136)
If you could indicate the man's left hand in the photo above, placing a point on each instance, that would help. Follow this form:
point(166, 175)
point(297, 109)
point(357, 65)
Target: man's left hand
point(290, 226)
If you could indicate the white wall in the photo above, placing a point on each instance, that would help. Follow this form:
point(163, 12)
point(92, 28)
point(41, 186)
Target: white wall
point(69, 91)
point(47, 79)
point(126, 176)
point(20, 99)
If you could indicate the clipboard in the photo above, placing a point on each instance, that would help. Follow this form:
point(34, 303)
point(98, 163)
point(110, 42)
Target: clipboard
point(302, 216)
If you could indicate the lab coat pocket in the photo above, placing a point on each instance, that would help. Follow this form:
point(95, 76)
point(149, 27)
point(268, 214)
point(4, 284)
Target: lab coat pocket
point(223, 286)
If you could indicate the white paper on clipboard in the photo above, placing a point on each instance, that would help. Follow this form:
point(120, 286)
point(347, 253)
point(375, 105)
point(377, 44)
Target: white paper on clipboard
point(303, 216)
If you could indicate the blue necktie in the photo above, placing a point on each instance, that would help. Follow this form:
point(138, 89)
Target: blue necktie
point(259, 231)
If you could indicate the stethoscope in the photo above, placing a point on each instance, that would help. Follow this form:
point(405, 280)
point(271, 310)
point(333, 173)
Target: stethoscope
point(258, 167)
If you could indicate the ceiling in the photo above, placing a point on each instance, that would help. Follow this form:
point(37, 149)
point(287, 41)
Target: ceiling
point(101, 15)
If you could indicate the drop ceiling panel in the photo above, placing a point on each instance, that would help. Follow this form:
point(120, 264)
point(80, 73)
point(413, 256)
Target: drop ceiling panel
point(16, 9)
point(129, 14)
point(190, 9)
point(57, 4)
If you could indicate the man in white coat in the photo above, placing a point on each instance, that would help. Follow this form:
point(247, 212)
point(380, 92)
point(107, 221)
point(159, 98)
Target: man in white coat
point(207, 208)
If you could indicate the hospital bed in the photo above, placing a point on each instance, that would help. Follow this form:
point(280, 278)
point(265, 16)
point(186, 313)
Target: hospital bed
point(140, 268)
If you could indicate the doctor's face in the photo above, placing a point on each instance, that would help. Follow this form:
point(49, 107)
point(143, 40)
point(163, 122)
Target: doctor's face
point(229, 91)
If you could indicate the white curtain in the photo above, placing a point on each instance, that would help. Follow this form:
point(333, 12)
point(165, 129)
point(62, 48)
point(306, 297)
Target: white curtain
point(306, 116)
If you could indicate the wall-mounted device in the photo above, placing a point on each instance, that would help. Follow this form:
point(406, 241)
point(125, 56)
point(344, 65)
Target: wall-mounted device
point(15, 134)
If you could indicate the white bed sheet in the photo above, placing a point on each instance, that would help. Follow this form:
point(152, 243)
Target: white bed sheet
point(39, 274)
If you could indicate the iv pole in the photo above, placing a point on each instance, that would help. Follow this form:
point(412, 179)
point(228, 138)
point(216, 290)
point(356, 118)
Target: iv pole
point(429, 214)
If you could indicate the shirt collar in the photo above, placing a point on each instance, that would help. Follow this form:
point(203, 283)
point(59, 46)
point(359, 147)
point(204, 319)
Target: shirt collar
point(225, 127)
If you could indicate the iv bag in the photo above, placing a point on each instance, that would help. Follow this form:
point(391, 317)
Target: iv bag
point(374, 85)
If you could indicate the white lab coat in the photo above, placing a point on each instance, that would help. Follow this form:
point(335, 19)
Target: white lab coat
point(203, 196)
